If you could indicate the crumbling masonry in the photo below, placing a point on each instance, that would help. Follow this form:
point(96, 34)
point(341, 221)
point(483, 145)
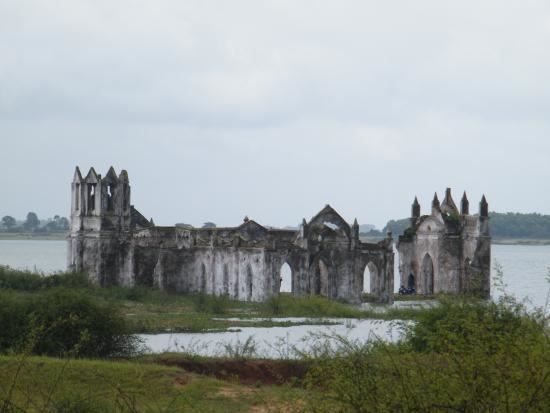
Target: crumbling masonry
point(115, 245)
point(448, 251)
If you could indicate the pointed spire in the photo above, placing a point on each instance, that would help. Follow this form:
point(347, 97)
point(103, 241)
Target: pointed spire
point(111, 174)
point(448, 205)
point(415, 208)
point(436, 206)
point(465, 205)
point(483, 208)
point(152, 222)
point(92, 177)
point(304, 222)
point(355, 229)
point(77, 176)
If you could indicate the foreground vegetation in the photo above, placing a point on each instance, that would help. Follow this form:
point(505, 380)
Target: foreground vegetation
point(38, 384)
point(464, 355)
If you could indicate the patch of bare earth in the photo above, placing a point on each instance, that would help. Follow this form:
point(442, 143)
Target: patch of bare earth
point(250, 372)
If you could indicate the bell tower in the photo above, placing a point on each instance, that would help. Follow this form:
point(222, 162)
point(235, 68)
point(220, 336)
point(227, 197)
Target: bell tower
point(100, 204)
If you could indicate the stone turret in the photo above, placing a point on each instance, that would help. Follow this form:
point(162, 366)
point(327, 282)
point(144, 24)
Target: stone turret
point(436, 206)
point(483, 208)
point(465, 205)
point(355, 230)
point(448, 205)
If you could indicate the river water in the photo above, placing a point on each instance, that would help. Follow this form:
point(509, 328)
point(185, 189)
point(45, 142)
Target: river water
point(525, 269)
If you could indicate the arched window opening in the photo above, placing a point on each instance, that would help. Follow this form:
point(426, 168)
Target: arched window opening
point(285, 284)
point(91, 197)
point(370, 279)
point(110, 193)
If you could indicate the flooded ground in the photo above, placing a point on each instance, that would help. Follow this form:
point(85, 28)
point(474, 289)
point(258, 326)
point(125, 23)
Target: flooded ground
point(274, 342)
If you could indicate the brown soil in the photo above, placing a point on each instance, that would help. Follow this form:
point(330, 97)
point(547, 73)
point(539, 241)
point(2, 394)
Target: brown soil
point(267, 372)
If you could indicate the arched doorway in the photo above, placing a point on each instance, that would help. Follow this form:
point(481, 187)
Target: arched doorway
point(428, 274)
point(370, 279)
point(285, 275)
point(411, 282)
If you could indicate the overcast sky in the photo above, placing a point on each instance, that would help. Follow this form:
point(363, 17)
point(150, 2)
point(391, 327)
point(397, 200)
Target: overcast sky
point(272, 109)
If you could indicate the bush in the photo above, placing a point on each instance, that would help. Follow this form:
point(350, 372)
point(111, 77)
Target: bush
point(464, 355)
point(62, 322)
point(30, 281)
point(13, 320)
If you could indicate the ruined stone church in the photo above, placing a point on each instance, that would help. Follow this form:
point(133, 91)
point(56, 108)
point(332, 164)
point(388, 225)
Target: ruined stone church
point(116, 245)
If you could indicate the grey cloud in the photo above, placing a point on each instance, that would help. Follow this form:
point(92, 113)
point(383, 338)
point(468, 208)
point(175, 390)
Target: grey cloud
point(274, 108)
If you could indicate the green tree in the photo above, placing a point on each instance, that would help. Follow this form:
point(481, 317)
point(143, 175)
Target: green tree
point(9, 222)
point(32, 221)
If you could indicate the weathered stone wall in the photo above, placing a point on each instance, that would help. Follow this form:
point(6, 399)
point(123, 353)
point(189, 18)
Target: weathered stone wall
point(116, 245)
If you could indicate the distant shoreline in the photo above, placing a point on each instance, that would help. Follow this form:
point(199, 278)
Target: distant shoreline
point(495, 241)
point(15, 236)
point(8, 236)
point(526, 241)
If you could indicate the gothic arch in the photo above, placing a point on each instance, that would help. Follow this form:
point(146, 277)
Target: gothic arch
point(370, 279)
point(286, 278)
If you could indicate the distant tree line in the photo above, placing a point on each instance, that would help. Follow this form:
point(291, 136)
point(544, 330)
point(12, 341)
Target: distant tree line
point(33, 224)
point(515, 225)
point(503, 225)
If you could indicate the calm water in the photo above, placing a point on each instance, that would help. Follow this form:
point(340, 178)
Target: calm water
point(274, 342)
point(525, 267)
point(42, 256)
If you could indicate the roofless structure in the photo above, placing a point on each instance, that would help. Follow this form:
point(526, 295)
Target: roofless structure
point(116, 245)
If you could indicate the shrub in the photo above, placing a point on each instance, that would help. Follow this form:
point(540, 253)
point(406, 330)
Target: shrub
point(69, 322)
point(465, 355)
point(63, 322)
point(13, 320)
point(31, 281)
